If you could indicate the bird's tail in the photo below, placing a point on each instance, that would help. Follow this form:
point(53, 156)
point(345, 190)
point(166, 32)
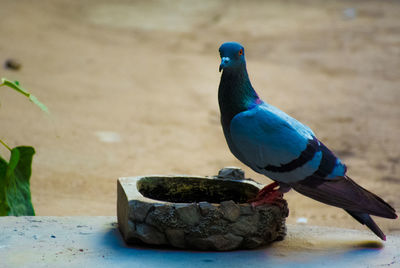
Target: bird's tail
point(365, 219)
point(343, 192)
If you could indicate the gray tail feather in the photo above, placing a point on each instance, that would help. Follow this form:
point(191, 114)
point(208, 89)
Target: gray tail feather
point(365, 219)
point(344, 193)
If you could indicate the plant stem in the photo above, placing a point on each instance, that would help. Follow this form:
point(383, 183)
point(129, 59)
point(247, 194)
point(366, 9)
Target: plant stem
point(5, 145)
point(2, 142)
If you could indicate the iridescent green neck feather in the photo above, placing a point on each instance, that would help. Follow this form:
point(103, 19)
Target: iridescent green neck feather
point(235, 94)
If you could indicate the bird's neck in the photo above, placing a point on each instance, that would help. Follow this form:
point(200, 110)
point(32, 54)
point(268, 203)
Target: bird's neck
point(235, 94)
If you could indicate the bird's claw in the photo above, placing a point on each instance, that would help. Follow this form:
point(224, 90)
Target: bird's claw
point(269, 195)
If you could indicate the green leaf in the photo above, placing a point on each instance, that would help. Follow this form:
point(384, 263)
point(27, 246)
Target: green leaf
point(4, 208)
point(15, 194)
point(16, 86)
point(12, 164)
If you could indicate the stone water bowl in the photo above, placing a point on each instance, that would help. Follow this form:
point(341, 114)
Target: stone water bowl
point(205, 213)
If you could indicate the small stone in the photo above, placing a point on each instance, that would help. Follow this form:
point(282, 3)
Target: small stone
point(246, 209)
point(139, 210)
point(252, 242)
point(176, 237)
point(301, 220)
point(281, 231)
point(188, 213)
point(162, 215)
point(220, 242)
point(199, 242)
point(215, 242)
point(234, 241)
point(269, 236)
point(230, 210)
point(205, 208)
point(231, 173)
point(12, 64)
point(130, 233)
point(350, 13)
point(150, 235)
point(246, 225)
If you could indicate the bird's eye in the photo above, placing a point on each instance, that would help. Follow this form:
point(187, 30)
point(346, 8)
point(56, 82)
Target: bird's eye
point(240, 52)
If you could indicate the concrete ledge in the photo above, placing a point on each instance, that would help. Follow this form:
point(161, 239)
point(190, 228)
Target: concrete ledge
point(96, 242)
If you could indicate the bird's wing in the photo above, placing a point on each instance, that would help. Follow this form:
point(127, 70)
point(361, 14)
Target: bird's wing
point(275, 144)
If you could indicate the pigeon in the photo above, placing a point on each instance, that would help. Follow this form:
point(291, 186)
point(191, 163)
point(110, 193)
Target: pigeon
point(278, 146)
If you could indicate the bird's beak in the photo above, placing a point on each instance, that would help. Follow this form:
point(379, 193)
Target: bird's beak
point(224, 63)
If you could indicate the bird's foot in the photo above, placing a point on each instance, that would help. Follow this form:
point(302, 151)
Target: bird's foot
point(269, 195)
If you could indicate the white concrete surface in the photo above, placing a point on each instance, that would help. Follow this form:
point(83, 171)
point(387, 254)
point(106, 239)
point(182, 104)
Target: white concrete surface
point(96, 242)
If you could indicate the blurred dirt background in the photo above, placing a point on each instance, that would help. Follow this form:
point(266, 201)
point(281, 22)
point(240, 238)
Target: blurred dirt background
point(132, 90)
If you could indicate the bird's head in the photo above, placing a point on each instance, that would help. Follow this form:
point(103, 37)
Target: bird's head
point(232, 56)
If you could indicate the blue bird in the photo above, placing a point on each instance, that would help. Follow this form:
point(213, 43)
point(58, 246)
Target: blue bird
point(274, 144)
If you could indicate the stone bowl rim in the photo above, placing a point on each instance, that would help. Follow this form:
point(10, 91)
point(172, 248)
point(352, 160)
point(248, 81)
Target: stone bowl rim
point(140, 197)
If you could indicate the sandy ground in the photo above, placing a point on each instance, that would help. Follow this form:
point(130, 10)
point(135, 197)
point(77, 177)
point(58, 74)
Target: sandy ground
point(147, 71)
